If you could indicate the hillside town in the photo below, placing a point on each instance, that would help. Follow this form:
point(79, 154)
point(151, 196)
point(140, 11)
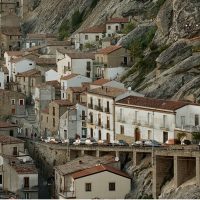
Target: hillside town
point(69, 125)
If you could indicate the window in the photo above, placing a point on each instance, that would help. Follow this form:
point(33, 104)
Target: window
point(54, 111)
point(148, 118)
point(121, 114)
point(99, 103)
point(26, 182)
point(164, 120)
point(108, 107)
point(121, 129)
point(12, 101)
point(88, 187)
point(54, 122)
point(108, 123)
point(136, 116)
point(1, 179)
point(24, 79)
point(83, 115)
point(182, 121)
point(86, 37)
point(149, 134)
point(21, 102)
point(14, 151)
point(117, 28)
point(47, 119)
point(109, 27)
point(111, 186)
point(97, 38)
point(91, 133)
point(99, 135)
point(196, 120)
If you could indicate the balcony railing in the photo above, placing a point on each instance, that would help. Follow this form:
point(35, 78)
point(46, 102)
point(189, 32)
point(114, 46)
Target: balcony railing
point(107, 110)
point(99, 108)
point(188, 128)
point(99, 64)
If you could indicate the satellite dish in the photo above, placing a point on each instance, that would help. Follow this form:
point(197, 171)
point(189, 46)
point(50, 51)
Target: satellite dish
point(1, 160)
point(116, 159)
point(71, 188)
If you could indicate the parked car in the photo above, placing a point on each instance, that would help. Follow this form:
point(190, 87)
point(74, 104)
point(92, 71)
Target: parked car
point(152, 143)
point(138, 143)
point(172, 142)
point(103, 143)
point(77, 142)
point(70, 141)
point(186, 142)
point(50, 139)
point(122, 143)
point(91, 141)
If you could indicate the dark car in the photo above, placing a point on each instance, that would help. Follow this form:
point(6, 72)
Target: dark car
point(122, 143)
point(152, 143)
point(71, 141)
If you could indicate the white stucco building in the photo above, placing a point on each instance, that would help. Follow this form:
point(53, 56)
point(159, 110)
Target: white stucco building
point(75, 62)
point(72, 80)
point(101, 111)
point(115, 25)
point(2, 81)
point(144, 118)
point(52, 75)
point(73, 123)
point(91, 35)
point(20, 65)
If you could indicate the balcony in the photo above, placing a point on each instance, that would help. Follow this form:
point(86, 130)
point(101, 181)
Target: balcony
point(188, 128)
point(164, 128)
point(98, 108)
point(121, 120)
point(90, 106)
point(99, 64)
point(138, 123)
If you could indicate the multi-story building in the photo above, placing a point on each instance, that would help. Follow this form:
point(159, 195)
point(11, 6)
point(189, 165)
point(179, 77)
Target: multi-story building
point(115, 25)
point(12, 103)
point(91, 35)
point(64, 187)
point(27, 82)
point(110, 62)
point(50, 117)
point(75, 62)
point(72, 80)
point(9, 129)
point(101, 111)
point(18, 174)
point(145, 118)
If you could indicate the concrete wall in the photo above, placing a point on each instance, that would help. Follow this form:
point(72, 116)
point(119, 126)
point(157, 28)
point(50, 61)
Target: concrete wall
point(100, 186)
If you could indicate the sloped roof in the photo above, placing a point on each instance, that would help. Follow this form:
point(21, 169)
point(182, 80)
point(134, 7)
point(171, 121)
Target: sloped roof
point(69, 76)
point(63, 102)
point(11, 31)
point(82, 163)
point(9, 140)
point(109, 49)
point(107, 91)
point(95, 29)
point(101, 81)
point(7, 124)
point(81, 55)
point(153, 103)
point(30, 73)
point(117, 20)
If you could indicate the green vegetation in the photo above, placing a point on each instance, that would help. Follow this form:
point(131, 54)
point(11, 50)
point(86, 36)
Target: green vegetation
point(196, 136)
point(128, 28)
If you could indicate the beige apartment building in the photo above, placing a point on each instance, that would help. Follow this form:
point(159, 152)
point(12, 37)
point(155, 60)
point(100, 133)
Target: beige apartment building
point(28, 80)
point(50, 118)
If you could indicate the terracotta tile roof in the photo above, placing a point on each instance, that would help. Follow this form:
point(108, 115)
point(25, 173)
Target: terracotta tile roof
point(83, 162)
point(46, 111)
point(40, 36)
point(58, 43)
point(107, 91)
point(153, 103)
point(30, 56)
point(68, 77)
point(95, 29)
point(30, 73)
point(81, 55)
point(54, 84)
point(15, 53)
point(7, 125)
point(46, 61)
point(100, 82)
point(63, 102)
point(25, 168)
point(117, 20)
point(99, 169)
point(108, 50)
point(11, 31)
point(77, 89)
point(9, 140)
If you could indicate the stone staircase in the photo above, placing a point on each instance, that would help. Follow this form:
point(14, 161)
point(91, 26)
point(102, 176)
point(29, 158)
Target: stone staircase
point(31, 118)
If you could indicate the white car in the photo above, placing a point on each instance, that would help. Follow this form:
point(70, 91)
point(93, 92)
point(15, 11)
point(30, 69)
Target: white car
point(49, 139)
point(77, 142)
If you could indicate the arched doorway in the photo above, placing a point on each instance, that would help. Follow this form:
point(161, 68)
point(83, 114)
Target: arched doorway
point(137, 134)
point(108, 137)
